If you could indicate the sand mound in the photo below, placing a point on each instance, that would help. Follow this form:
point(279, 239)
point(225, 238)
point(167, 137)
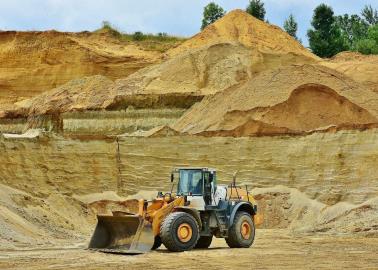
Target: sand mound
point(362, 68)
point(185, 79)
point(231, 51)
point(234, 49)
point(289, 208)
point(239, 26)
point(27, 221)
point(285, 100)
point(87, 93)
point(34, 62)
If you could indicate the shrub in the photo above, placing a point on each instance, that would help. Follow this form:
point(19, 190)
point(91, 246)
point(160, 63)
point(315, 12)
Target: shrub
point(138, 36)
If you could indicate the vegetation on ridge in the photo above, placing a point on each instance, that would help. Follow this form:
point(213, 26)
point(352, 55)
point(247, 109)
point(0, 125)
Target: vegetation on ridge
point(155, 42)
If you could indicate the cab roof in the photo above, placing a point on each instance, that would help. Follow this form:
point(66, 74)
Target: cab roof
point(206, 169)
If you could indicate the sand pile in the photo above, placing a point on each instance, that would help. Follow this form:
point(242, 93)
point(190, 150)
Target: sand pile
point(34, 62)
point(227, 53)
point(362, 68)
point(184, 79)
point(30, 221)
point(51, 220)
point(87, 93)
point(231, 51)
point(289, 208)
point(238, 26)
point(293, 99)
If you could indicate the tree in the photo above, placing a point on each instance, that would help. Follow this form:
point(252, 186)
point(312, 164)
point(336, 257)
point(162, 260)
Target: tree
point(370, 15)
point(256, 9)
point(211, 13)
point(291, 26)
point(353, 28)
point(369, 45)
point(325, 38)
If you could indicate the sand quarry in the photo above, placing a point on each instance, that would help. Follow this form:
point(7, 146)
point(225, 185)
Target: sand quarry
point(241, 95)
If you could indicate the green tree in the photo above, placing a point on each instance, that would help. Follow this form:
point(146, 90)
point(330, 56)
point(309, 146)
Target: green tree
point(370, 15)
point(291, 26)
point(211, 13)
point(256, 9)
point(353, 28)
point(369, 45)
point(325, 38)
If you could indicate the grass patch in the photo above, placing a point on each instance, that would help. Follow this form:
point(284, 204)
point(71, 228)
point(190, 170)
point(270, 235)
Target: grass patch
point(147, 41)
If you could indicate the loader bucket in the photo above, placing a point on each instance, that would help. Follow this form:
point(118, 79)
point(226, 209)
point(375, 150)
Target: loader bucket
point(129, 234)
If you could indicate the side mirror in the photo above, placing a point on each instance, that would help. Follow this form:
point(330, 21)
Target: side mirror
point(172, 177)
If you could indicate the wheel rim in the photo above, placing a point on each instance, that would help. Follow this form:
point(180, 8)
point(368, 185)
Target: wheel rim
point(245, 230)
point(184, 232)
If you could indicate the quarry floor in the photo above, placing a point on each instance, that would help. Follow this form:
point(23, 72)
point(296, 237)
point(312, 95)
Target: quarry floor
point(273, 249)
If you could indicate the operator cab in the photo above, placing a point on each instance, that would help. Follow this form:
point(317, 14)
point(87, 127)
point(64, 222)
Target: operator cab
point(198, 184)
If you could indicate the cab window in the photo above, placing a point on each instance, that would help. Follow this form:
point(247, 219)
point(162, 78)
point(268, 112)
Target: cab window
point(190, 182)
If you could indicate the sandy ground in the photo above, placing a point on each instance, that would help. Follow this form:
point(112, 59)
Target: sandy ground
point(273, 249)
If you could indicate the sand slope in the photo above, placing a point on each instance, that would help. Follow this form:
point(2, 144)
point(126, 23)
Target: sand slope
point(233, 50)
point(289, 99)
point(34, 62)
point(362, 68)
point(239, 26)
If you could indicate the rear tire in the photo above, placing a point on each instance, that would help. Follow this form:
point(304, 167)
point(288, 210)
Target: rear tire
point(242, 232)
point(179, 232)
point(204, 242)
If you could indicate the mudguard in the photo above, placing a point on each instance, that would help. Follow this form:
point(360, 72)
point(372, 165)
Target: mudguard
point(242, 206)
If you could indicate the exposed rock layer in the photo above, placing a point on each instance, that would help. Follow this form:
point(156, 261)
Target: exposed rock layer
point(329, 167)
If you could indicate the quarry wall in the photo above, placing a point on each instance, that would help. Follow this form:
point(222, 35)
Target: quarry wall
point(330, 167)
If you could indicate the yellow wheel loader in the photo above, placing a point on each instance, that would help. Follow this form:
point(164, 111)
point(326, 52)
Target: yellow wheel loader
point(182, 220)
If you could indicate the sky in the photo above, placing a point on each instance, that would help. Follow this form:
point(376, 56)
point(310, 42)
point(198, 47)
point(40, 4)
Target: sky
point(176, 17)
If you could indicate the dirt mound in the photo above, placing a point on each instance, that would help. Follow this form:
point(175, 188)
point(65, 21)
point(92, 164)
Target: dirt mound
point(233, 50)
point(290, 99)
point(184, 79)
point(239, 26)
point(87, 93)
point(362, 68)
point(289, 208)
point(28, 221)
point(227, 53)
point(34, 62)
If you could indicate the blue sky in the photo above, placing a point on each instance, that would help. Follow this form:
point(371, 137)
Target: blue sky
point(178, 17)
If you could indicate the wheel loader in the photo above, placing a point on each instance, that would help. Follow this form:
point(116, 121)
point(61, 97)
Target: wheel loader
point(188, 218)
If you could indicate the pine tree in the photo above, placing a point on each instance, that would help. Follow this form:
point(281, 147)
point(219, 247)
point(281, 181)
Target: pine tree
point(325, 38)
point(211, 13)
point(291, 26)
point(256, 9)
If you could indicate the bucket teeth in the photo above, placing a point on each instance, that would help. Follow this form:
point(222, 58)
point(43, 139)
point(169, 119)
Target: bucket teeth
point(129, 234)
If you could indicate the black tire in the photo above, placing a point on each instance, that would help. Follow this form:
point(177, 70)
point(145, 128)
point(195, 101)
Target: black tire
point(157, 243)
point(204, 242)
point(169, 231)
point(235, 238)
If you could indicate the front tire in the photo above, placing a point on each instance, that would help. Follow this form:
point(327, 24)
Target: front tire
point(157, 243)
point(179, 232)
point(242, 232)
